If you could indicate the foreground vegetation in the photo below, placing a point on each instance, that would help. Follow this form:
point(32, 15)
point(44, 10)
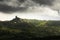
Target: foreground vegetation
point(23, 29)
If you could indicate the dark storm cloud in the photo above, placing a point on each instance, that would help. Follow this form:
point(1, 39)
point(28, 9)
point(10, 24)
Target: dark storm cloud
point(21, 0)
point(44, 2)
point(1, 0)
point(6, 8)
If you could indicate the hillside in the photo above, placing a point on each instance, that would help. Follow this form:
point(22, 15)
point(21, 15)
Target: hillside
point(24, 29)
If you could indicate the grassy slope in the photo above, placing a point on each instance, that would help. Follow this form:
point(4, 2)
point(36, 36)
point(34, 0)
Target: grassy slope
point(28, 29)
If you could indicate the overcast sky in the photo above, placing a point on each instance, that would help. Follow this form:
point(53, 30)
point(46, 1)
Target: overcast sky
point(30, 9)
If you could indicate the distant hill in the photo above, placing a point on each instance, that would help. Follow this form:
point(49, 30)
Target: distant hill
point(23, 29)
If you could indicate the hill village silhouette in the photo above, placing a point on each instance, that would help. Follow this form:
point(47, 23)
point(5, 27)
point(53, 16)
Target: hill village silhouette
point(17, 20)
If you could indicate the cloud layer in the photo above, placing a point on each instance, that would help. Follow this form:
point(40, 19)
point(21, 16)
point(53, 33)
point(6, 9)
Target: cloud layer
point(30, 9)
point(44, 2)
point(18, 5)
